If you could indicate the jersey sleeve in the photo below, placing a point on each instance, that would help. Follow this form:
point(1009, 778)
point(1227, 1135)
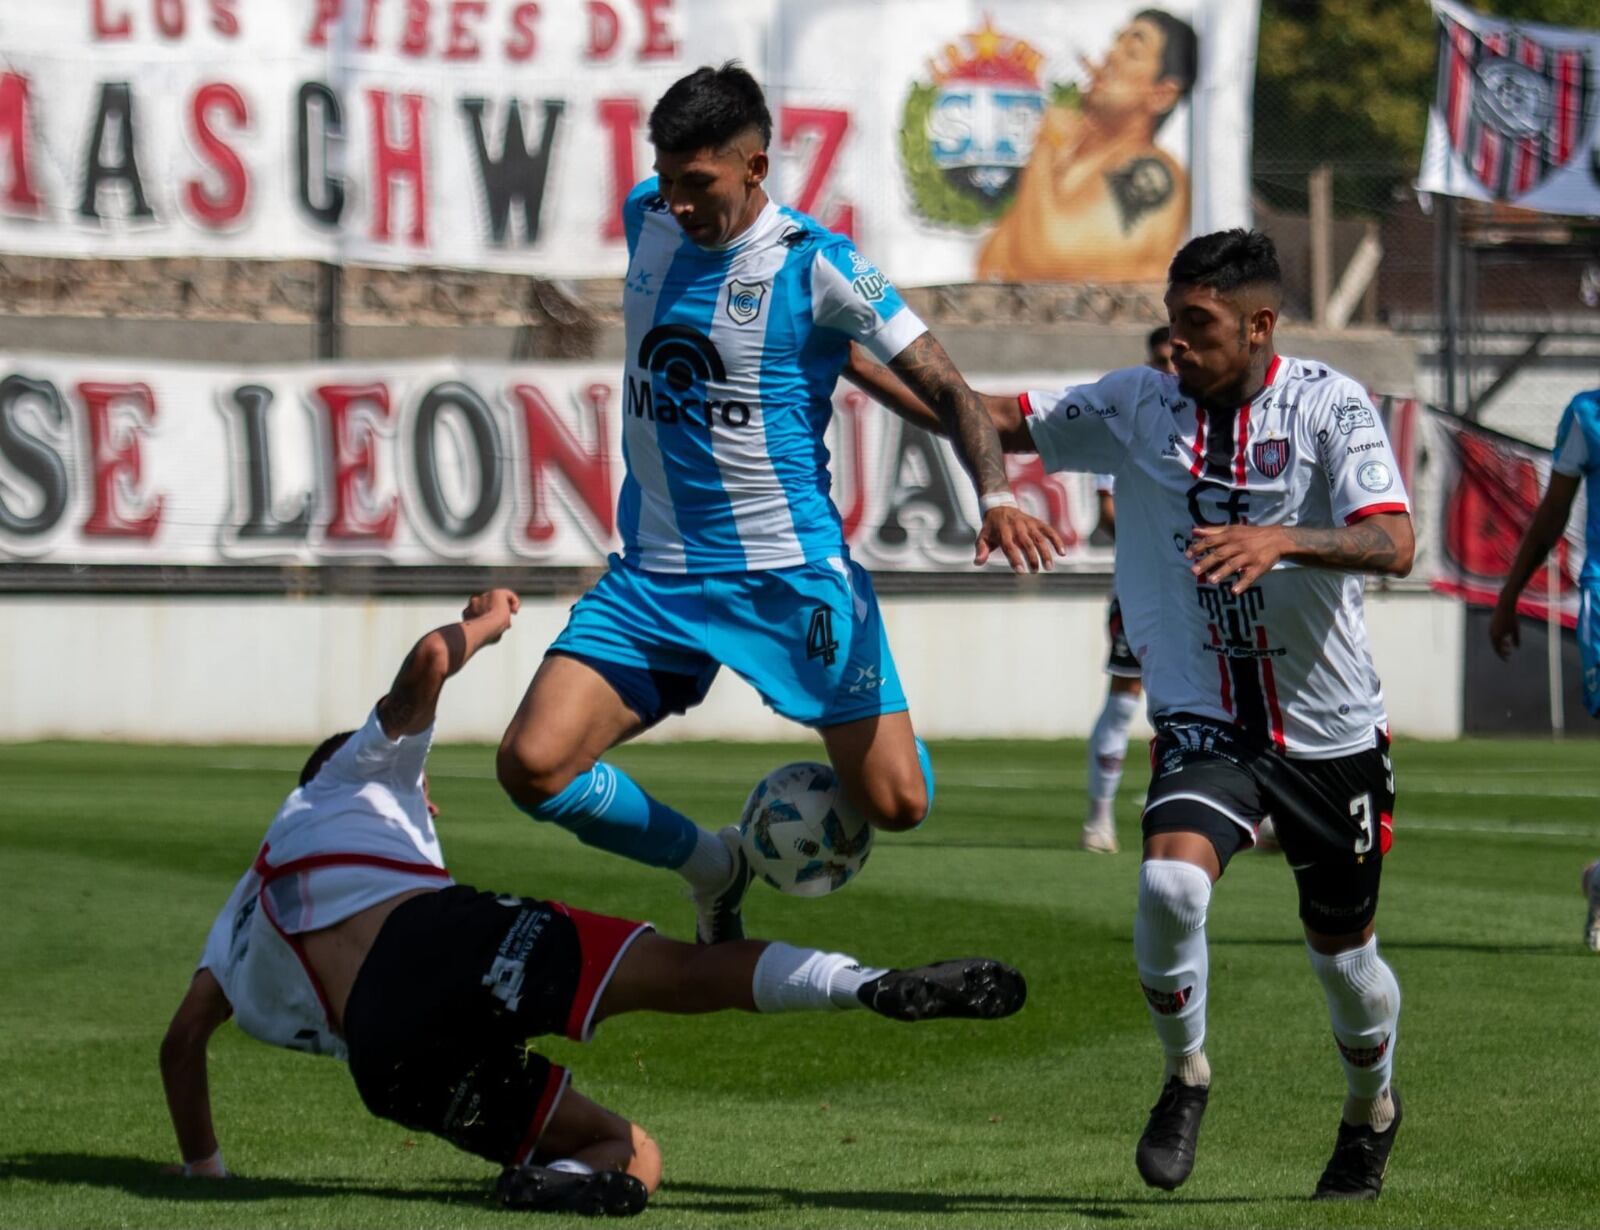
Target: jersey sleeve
point(1571, 454)
point(1085, 427)
point(1363, 475)
point(371, 755)
point(850, 295)
point(1105, 484)
point(216, 956)
point(645, 198)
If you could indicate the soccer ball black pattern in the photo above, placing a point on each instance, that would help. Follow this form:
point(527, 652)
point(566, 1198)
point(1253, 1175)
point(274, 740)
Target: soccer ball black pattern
point(799, 832)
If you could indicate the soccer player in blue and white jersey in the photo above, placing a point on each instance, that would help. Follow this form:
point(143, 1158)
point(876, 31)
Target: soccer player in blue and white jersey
point(1577, 458)
point(739, 317)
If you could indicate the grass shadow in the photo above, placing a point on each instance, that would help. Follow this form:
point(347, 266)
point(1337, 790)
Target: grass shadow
point(142, 1177)
point(722, 1198)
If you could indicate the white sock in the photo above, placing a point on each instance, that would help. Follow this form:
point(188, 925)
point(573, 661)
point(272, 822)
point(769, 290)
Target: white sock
point(1191, 1069)
point(709, 864)
point(1364, 1005)
point(1169, 942)
point(1108, 747)
point(789, 979)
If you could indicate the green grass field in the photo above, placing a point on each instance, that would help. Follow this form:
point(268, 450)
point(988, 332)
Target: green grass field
point(114, 859)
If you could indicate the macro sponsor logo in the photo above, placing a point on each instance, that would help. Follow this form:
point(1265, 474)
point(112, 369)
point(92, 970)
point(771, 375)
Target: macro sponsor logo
point(681, 361)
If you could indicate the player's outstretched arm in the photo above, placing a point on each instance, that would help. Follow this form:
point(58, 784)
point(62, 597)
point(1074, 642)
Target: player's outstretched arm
point(408, 707)
point(889, 391)
point(1383, 544)
point(183, 1076)
point(1543, 532)
point(1028, 543)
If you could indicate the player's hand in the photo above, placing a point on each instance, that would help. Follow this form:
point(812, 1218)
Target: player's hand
point(1247, 552)
point(1027, 542)
point(1504, 631)
point(496, 605)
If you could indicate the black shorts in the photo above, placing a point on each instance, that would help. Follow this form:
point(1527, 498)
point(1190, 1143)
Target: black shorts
point(456, 982)
point(1334, 818)
point(1120, 661)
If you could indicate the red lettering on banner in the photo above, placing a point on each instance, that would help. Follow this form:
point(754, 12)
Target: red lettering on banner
point(1041, 494)
point(604, 30)
point(355, 412)
point(854, 404)
point(219, 209)
point(463, 43)
point(390, 162)
point(114, 455)
point(522, 43)
point(415, 40)
point(170, 18)
point(827, 129)
point(369, 26)
point(15, 130)
point(620, 117)
point(327, 14)
point(658, 41)
point(586, 471)
point(106, 29)
point(223, 19)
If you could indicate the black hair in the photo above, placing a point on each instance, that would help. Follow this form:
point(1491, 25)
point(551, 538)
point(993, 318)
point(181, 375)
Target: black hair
point(1225, 261)
point(1159, 336)
point(1180, 52)
point(708, 109)
point(324, 751)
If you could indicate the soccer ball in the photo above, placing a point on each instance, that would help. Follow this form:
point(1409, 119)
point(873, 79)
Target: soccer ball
point(800, 833)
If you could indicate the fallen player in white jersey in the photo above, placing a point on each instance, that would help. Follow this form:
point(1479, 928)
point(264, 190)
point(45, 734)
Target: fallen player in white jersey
point(347, 937)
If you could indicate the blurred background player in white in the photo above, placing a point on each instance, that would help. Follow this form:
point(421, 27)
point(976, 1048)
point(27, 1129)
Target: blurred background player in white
point(1255, 490)
point(1108, 741)
point(347, 937)
point(1576, 459)
point(739, 316)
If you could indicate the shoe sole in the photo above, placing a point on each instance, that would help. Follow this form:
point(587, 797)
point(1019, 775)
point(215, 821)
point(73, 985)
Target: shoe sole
point(608, 1193)
point(974, 990)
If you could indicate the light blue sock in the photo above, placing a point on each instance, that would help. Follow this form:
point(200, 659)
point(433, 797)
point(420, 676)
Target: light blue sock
point(926, 762)
point(605, 808)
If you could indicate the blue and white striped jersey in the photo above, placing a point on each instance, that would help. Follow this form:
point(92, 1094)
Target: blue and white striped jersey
point(1577, 454)
point(732, 356)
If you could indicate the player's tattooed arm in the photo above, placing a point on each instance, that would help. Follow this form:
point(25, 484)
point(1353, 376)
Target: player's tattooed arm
point(888, 390)
point(409, 705)
point(932, 376)
point(1381, 544)
point(1028, 543)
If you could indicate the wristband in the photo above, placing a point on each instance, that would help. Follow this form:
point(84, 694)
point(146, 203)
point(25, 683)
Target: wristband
point(210, 1167)
point(996, 499)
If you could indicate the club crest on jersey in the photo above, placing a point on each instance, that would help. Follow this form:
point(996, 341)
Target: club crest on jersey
point(744, 300)
point(1270, 456)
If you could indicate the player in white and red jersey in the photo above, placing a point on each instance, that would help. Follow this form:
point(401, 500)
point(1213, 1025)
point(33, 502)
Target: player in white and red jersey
point(1253, 490)
point(347, 937)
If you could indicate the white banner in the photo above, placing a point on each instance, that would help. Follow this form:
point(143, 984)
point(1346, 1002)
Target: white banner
point(1018, 139)
point(1514, 114)
point(419, 463)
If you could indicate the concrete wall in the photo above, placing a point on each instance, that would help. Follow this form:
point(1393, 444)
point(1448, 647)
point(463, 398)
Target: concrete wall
point(276, 670)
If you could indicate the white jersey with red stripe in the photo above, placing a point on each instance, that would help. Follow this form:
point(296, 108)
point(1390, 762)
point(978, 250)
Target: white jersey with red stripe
point(354, 836)
point(1288, 659)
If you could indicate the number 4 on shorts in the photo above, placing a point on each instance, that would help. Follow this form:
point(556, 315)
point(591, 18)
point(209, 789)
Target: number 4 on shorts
point(819, 637)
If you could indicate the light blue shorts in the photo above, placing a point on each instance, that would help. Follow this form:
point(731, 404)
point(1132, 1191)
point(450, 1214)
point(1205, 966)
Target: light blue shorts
point(809, 639)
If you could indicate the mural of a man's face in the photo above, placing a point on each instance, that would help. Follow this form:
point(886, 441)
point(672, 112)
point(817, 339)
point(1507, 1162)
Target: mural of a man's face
point(1127, 85)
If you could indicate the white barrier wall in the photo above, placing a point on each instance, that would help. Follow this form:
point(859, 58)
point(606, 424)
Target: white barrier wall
point(281, 670)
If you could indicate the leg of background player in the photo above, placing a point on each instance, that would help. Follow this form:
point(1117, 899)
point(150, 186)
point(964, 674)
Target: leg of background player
point(549, 763)
point(1591, 892)
point(1108, 747)
point(884, 769)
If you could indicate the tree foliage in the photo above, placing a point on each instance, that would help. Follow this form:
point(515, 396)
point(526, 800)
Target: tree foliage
point(1348, 82)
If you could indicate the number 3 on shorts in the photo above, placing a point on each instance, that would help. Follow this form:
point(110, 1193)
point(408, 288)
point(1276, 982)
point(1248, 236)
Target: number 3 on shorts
point(1361, 809)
